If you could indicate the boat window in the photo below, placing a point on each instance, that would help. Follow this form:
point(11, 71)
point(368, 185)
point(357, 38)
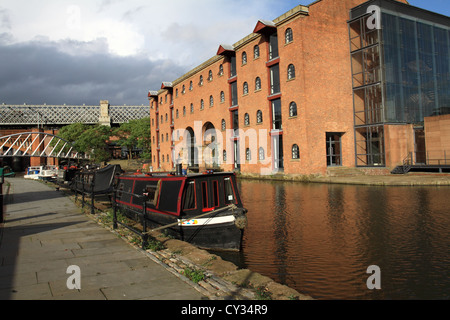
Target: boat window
point(216, 193)
point(120, 189)
point(229, 195)
point(150, 191)
point(189, 197)
point(205, 194)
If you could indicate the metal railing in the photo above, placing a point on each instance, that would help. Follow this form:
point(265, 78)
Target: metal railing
point(141, 213)
point(2, 180)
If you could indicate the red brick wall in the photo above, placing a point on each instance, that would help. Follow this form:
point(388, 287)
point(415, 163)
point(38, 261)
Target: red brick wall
point(322, 90)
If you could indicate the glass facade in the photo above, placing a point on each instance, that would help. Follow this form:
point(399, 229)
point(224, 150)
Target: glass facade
point(416, 62)
point(400, 74)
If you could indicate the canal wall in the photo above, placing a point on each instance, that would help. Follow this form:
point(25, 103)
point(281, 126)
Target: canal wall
point(376, 178)
point(218, 279)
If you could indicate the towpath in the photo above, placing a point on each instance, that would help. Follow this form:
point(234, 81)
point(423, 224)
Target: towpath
point(44, 233)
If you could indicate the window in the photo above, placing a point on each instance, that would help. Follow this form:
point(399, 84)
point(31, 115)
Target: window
point(189, 196)
point(245, 88)
point(166, 117)
point(162, 158)
point(191, 86)
point(246, 119)
point(200, 83)
point(177, 114)
point(162, 138)
point(273, 46)
point(257, 83)
point(289, 37)
point(293, 109)
point(224, 155)
point(233, 66)
point(222, 96)
point(259, 116)
point(192, 108)
point(202, 104)
point(244, 57)
point(291, 72)
point(211, 101)
point(183, 89)
point(210, 75)
point(221, 70)
point(167, 139)
point(162, 119)
point(224, 125)
point(176, 93)
point(248, 154)
point(295, 152)
point(256, 52)
point(274, 79)
point(261, 155)
point(184, 111)
point(234, 93)
point(228, 188)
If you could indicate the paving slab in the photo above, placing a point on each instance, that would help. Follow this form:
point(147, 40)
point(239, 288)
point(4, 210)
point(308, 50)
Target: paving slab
point(44, 233)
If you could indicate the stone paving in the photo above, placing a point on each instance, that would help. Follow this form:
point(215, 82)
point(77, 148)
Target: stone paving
point(44, 233)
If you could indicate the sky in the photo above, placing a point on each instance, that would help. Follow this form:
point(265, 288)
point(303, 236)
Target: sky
point(84, 51)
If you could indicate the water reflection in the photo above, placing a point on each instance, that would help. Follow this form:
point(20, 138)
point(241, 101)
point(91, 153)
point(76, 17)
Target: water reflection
point(320, 239)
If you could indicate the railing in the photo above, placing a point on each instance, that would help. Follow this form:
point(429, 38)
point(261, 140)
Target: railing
point(84, 183)
point(141, 213)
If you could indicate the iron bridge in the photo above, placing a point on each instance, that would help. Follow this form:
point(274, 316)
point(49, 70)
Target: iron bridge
point(38, 144)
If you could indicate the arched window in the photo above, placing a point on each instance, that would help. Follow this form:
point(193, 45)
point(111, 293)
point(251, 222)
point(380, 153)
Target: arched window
point(224, 155)
point(248, 154)
point(162, 137)
point(176, 93)
point(192, 108)
point(259, 116)
point(245, 89)
point(293, 109)
point(244, 57)
point(166, 117)
point(221, 70)
point(184, 111)
point(202, 104)
point(224, 125)
point(162, 158)
point(200, 83)
point(183, 89)
point(177, 113)
point(191, 86)
point(295, 152)
point(257, 83)
point(222, 96)
point(289, 36)
point(291, 72)
point(211, 101)
point(261, 155)
point(256, 52)
point(162, 119)
point(246, 119)
point(210, 76)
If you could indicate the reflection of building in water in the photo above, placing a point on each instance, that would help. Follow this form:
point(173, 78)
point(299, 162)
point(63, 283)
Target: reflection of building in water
point(326, 85)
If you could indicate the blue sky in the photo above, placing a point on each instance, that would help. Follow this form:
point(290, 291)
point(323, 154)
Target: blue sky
point(84, 51)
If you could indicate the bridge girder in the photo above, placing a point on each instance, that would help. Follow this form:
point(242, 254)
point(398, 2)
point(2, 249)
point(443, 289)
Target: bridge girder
point(38, 144)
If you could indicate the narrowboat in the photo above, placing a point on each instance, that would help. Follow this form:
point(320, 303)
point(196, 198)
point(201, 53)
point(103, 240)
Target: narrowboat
point(204, 209)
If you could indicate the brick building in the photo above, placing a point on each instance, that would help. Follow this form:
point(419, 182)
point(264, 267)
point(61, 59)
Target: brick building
point(315, 88)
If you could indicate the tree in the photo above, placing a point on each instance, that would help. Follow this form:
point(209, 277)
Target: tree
point(91, 140)
point(135, 134)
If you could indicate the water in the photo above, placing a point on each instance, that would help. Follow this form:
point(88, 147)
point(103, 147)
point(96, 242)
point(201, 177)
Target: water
point(320, 239)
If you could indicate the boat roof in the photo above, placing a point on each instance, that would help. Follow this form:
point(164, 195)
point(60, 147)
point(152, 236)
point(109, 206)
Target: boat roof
point(174, 175)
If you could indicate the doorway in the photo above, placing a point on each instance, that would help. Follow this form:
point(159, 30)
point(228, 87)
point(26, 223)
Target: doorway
point(334, 149)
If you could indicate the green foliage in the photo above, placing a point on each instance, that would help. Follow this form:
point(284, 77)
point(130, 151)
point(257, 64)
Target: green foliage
point(194, 275)
point(88, 139)
point(135, 134)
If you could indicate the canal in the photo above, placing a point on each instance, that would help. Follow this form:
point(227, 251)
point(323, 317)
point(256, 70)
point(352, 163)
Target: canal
point(320, 238)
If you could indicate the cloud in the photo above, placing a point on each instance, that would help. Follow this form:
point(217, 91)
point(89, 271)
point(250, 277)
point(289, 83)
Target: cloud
point(75, 52)
point(38, 72)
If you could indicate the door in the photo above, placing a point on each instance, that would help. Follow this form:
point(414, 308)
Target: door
point(334, 149)
point(419, 146)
